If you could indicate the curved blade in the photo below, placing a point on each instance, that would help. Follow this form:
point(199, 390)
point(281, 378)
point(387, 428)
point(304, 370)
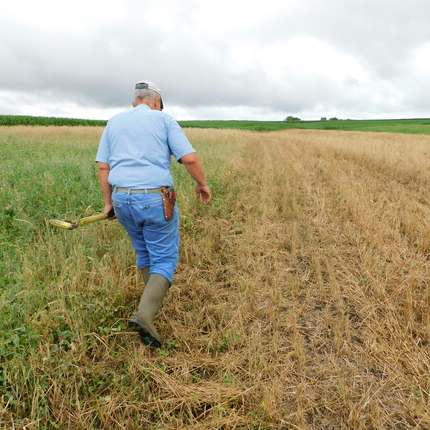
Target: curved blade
point(61, 224)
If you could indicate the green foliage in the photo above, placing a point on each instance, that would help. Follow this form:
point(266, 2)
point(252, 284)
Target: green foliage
point(291, 118)
point(65, 296)
point(12, 120)
point(39, 179)
point(59, 184)
point(413, 126)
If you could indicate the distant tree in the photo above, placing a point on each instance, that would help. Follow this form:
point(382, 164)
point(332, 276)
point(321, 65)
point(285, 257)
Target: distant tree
point(333, 119)
point(291, 118)
point(323, 118)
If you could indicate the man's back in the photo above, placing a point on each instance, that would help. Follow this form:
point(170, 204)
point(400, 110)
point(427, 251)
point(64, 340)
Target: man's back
point(138, 144)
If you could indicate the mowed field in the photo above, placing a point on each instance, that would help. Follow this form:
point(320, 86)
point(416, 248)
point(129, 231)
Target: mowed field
point(301, 300)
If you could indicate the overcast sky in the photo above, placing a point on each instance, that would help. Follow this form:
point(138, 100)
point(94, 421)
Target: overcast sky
point(224, 59)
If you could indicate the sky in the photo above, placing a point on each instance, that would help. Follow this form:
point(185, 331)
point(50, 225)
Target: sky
point(217, 60)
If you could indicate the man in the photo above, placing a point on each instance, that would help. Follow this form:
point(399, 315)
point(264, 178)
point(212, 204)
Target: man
point(134, 159)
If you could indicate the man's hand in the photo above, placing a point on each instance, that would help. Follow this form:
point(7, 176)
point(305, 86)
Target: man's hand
point(203, 192)
point(195, 169)
point(103, 173)
point(107, 209)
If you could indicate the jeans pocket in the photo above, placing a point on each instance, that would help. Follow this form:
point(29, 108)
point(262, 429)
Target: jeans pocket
point(118, 208)
point(155, 215)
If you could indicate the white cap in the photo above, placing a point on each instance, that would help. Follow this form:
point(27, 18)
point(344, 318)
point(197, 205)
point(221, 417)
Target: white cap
point(148, 85)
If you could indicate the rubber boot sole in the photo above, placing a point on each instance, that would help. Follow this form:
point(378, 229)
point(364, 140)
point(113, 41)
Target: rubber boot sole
point(146, 337)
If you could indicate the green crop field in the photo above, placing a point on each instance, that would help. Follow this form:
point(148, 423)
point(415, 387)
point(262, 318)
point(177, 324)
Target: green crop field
point(15, 120)
point(300, 301)
point(413, 126)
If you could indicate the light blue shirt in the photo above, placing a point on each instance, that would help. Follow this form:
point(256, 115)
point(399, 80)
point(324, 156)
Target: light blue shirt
point(138, 145)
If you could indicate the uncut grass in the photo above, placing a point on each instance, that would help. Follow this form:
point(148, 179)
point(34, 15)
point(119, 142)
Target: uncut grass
point(409, 126)
point(301, 298)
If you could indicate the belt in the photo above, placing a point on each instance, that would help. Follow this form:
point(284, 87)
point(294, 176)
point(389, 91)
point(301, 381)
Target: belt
point(133, 191)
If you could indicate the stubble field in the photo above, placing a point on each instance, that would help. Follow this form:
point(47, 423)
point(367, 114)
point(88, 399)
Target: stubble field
point(301, 300)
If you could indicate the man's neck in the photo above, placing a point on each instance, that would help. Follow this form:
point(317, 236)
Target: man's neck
point(151, 105)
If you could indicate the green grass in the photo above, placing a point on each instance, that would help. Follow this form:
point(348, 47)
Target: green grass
point(65, 295)
point(413, 126)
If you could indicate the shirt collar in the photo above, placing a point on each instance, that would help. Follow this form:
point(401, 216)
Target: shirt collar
point(142, 106)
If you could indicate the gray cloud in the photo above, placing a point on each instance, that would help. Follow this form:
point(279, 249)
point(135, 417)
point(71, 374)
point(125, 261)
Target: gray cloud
point(238, 62)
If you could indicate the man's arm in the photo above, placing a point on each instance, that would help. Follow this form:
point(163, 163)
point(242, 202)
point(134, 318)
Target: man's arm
point(195, 169)
point(103, 173)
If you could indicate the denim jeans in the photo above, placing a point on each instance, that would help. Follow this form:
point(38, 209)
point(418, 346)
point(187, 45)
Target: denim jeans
point(155, 240)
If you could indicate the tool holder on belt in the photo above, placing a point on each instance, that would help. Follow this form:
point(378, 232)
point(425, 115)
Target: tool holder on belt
point(169, 199)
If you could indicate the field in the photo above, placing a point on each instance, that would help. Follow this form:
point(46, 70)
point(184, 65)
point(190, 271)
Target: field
point(409, 126)
point(301, 300)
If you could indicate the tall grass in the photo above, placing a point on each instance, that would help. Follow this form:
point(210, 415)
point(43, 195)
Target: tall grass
point(300, 302)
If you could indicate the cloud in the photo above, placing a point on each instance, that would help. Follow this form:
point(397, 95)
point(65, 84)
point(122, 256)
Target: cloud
point(305, 58)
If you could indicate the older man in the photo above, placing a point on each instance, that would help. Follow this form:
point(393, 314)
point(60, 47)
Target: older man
point(134, 158)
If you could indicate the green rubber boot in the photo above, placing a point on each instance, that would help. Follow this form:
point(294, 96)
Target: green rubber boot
point(145, 274)
point(142, 320)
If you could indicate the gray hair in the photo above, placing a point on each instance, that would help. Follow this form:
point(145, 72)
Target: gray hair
point(142, 94)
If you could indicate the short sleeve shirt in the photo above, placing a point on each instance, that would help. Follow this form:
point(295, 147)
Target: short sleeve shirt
point(138, 145)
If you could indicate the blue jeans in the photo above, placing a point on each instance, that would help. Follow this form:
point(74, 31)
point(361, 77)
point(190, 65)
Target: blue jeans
point(155, 240)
